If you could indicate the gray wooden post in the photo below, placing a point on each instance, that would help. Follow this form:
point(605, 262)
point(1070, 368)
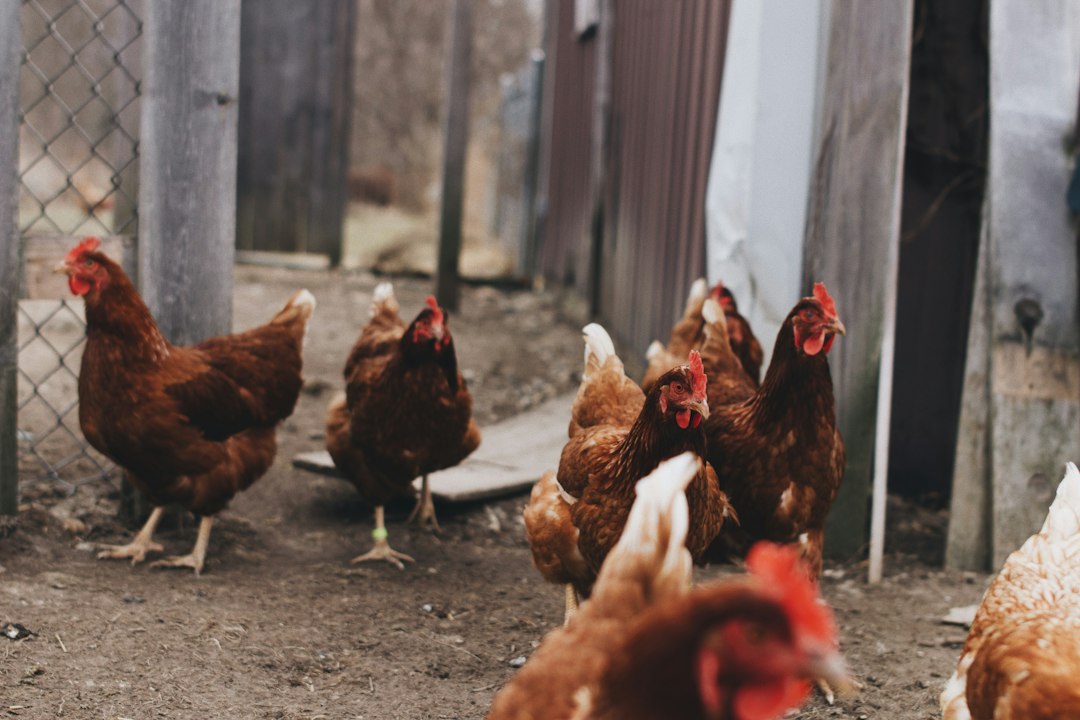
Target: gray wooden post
point(295, 101)
point(853, 226)
point(455, 145)
point(187, 167)
point(1021, 403)
point(10, 50)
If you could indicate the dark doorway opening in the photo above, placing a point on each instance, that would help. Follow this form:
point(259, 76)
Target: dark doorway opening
point(944, 182)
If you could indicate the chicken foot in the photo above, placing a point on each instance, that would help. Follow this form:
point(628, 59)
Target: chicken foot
point(424, 512)
point(382, 549)
point(140, 544)
point(197, 557)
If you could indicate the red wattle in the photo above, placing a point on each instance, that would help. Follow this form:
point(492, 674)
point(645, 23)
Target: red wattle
point(77, 285)
point(683, 418)
point(814, 343)
point(771, 699)
point(697, 420)
point(708, 670)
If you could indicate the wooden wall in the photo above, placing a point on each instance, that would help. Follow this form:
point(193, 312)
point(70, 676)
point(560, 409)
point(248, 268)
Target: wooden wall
point(852, 233)
point(295, 99)
point(1020, 416)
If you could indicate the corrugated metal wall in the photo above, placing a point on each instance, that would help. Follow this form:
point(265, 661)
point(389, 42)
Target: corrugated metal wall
point(667, 62)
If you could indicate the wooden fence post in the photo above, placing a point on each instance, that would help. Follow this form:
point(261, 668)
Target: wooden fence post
point(10, 50)
point(295, 106)
point(1021, 403)
point(187, 166)
point(455, 146)
point(853, 227)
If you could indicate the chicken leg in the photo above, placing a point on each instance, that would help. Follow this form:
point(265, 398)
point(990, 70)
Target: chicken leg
point(140, 544)
point(424, 512)
point(382, 549)
point(571, 604)
point(197, 556)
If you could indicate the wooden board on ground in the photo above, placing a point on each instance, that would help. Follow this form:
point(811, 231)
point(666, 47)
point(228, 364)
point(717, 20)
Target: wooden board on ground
point(513, 455)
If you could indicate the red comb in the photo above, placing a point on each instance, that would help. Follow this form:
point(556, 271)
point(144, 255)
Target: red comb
point(784, 573)
point(822, 296)
point(697, 373)
point(438, 313)
point(717, 291)
point(89, 244)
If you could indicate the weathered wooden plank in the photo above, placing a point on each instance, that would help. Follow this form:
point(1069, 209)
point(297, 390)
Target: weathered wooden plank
point(968, 542)
point(187, 198)
point(1022, 385)
point(513, 455)
point(455, 145)
point(1033, 265)
point(10, 48)
point(295, 100)
point(292, 261)
point(853, 227)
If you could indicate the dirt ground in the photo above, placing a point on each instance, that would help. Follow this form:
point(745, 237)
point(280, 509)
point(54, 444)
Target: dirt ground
point(281, 626)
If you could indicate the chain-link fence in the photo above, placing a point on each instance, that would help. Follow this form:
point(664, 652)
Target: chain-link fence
point(78, 150)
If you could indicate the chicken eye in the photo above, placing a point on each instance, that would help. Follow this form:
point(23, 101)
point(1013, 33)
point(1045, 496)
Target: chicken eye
point(755, 634)
point(678, 388)
point(88, 262)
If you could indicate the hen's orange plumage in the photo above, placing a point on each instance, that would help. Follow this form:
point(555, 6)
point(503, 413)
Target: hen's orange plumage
point(686, 335)
point(779, 455)
point(689, 333)
point(407, 411)
point(645, 646)
point(189, 425)
point(1021, 657)
point(744, 343)
point(618, 436)
point(728, 380)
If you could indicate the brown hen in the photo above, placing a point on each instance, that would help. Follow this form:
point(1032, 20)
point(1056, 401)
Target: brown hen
point(645, 646)
point(618, 436)
point(406, 413)
point(778, 455)
point(190, 425)
point(1022, 654)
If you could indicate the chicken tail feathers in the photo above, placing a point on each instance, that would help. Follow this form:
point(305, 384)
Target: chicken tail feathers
point(297, 311)
point(1063, 518)
point(652, 548)
point(698, 292)
point(712, 313)
point(383, 300)
point(598, 348)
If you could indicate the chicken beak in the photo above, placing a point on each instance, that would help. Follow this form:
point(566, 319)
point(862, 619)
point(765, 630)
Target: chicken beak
point(836, 327)
point(830, 668)
point(701, 407)
point(61, 268)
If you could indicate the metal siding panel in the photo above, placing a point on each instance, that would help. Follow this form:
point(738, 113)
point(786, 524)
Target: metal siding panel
point(666, 70)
